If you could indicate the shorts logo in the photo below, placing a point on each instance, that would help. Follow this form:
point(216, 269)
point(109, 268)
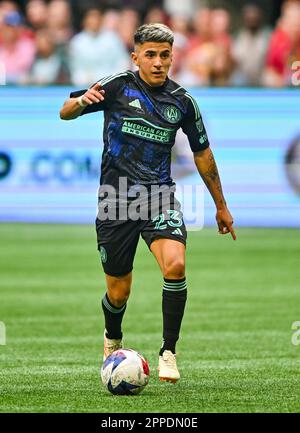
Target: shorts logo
point(103, 254)
point(172, 114)
point(177, 232)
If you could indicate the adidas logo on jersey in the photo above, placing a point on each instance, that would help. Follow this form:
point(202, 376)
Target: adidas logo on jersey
point(177, 232)
point(136, 103)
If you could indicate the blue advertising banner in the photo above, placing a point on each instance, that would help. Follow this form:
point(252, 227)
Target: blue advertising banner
point(49, 168)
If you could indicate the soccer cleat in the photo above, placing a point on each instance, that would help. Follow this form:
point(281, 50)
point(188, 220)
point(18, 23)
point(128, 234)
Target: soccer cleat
point(110, 346)
point(167, 368)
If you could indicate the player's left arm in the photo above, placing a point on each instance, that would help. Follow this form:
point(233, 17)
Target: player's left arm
point(207, 168)
point(193, 127)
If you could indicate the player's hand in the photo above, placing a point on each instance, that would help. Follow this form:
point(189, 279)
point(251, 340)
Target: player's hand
point(93, 95)
point(225, 222)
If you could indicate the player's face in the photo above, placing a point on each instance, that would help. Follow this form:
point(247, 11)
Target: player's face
point(153, 60)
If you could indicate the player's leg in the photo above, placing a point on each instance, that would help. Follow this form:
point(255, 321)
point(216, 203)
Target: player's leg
point(114, 305)
point(165, 235)
point(117, 244)
point(170, 255)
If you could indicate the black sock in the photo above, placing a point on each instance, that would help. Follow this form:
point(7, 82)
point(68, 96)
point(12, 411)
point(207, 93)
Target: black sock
point(113, 318)
point(173, 302)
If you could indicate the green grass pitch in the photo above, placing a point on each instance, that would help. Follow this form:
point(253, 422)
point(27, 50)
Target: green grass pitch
point(235, 353)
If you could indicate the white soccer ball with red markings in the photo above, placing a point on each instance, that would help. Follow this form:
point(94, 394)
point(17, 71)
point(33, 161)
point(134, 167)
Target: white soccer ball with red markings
point(125, 372)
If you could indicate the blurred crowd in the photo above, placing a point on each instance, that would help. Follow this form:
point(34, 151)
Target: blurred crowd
point(62, 42)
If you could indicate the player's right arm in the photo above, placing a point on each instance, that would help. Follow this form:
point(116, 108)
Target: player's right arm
point(74, 106)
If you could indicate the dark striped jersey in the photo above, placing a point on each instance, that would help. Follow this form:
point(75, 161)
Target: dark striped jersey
point(140, 125)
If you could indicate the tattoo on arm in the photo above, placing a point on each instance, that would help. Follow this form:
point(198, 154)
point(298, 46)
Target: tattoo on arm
point(212, 171)
point(210, 176)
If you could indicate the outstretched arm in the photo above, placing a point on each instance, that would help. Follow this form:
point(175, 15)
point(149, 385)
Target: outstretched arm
point(73, 107)
point(208, 170)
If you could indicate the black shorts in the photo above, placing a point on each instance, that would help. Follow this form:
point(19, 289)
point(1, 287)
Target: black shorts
point(117, 240)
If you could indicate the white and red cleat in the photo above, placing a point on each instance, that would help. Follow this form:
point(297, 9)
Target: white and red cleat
point(167, 367)
point(111, 346)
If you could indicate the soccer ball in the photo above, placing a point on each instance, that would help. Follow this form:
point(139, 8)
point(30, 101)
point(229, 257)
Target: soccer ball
point(125, 372)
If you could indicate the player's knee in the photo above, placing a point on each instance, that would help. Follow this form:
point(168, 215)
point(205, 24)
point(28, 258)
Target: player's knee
point(118, 295)
point(118, 289)
point(174, 269)
point(118, 299)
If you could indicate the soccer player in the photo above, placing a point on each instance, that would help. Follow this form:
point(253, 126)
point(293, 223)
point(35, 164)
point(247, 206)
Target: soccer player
point(142, 112)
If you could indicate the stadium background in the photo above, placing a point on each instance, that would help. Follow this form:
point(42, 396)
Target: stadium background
point(237, 351)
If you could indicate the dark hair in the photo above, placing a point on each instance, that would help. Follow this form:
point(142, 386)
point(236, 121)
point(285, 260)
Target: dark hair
point(153, 33)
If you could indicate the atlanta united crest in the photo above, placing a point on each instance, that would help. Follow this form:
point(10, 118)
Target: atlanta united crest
point(172, 114)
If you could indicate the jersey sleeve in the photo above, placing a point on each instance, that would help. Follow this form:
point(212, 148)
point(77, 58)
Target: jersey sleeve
point(193, 126)
point(110, 85)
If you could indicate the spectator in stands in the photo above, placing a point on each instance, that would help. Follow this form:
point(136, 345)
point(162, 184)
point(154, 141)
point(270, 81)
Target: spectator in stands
point(156, 15)
point(222, 66)
point(17, 51)
point(184, 8)
point(223, 62)
point(180, 27)
point(111, 20)
point(220, 27)
point(96, 52)
point(208, 59)
point(129, 22)
point(36, 14)
point(196, 67)
point(6, 7)
point(250, 47)
point(202, 28)
point(47, 65)
point(59, 22)
point(60, 28)
point(284, 47)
